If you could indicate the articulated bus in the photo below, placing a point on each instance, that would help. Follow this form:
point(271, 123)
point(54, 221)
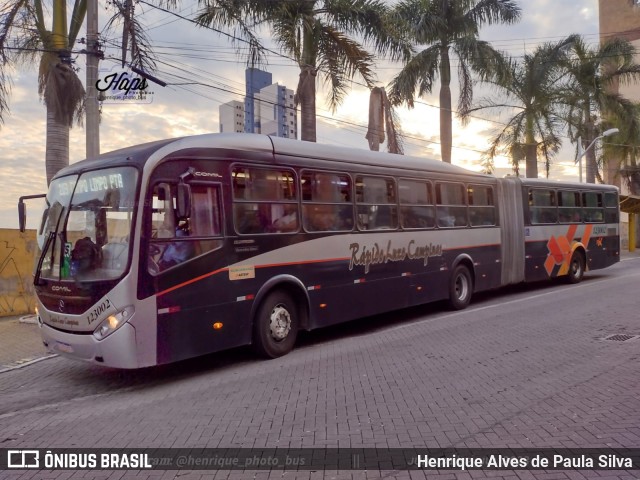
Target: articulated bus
point(178, 248)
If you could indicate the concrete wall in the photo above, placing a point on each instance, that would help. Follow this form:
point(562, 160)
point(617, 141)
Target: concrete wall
point(17, 252)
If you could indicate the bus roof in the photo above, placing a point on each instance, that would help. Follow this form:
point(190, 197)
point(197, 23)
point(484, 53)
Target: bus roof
point(544, 182)
point(156, 151)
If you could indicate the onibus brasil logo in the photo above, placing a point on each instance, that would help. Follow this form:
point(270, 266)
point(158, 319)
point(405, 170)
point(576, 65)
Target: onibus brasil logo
point(118, 85)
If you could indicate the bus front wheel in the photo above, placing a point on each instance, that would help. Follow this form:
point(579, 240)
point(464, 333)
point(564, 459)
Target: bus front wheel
point(576, 267)
point(460, 288)
point(276, 324)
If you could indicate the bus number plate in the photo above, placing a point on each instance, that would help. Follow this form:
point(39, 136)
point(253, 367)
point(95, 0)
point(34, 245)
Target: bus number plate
point(64, 347)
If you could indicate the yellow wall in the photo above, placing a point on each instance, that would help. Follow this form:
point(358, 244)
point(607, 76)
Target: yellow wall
point(17, 251)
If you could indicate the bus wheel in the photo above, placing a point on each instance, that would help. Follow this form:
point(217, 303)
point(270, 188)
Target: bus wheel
point(460, 288)
point(275, 327)
point(576, 267)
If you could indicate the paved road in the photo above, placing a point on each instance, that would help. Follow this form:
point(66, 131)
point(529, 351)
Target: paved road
point(526, 367)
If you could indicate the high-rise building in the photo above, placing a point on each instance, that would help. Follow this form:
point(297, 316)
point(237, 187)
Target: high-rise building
point(255, 80)
point(275, 111)
point(268, 108)
point(232, 117)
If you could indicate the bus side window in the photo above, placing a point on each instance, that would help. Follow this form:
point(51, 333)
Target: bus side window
point(264, 201)
point(416, 204)
point(593, 207)
point(326, 201)
point(611, 208)
point(542, 206)
point(190, 237)
point(482, 211)
point(451, 204)
point(376, 200)
point(569, 207)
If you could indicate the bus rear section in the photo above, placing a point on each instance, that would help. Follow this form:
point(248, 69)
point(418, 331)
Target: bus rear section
point(558, 229)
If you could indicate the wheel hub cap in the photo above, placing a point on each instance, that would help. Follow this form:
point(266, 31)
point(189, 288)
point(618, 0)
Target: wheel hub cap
point(280, 323)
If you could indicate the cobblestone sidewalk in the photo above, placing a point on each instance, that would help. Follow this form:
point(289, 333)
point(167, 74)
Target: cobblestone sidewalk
point(20, 342)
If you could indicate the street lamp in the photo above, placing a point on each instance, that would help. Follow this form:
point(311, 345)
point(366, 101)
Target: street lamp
point(582, 153)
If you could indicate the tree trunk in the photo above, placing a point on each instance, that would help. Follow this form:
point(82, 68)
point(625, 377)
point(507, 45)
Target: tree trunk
point(57, 148)
point(531, 151)
point(306, 97)
point(446, 133)
point(532, 161)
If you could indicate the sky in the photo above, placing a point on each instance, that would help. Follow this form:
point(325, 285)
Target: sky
point(203, 70)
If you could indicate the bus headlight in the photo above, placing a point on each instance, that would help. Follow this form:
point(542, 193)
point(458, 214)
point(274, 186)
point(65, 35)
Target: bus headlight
point(112, 323)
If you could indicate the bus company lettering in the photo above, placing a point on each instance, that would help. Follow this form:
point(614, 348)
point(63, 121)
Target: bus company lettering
point(376, 254)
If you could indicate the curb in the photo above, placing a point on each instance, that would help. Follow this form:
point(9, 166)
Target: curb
point(26, 362)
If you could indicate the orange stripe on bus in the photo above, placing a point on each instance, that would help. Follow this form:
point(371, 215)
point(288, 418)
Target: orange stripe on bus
point(193, 280)
point(210, 274)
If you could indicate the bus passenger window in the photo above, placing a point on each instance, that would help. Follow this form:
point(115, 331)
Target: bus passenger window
point(376, 200)
point(265, 201)
point(542, 206)
point(482, 210)
point(569, 208)
point(593, 207)
point(451, 205)
point(326, 201)
point(416, 204)
point(611, 208)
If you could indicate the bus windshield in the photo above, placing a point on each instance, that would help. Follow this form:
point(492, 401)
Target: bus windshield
point(86, 227)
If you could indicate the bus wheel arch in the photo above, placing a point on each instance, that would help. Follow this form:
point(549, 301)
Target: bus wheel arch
point(281, 309)
point(461, 283)
point(577, 266)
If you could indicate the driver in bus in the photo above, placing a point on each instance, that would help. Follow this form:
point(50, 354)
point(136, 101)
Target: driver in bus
point(177, 252)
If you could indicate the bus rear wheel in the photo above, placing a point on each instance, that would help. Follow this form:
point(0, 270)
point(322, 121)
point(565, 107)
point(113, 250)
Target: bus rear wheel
point(275, 326)
point(576, 267)
point(460, 288)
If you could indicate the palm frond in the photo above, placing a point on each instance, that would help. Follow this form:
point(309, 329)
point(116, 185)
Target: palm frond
point(238, 18)
point(419, 73)
point(340, 58)
point(64, 94)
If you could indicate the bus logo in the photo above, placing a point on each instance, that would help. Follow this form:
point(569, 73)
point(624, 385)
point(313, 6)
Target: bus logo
point(561, 247)
point(61, 306)
point(23, 459)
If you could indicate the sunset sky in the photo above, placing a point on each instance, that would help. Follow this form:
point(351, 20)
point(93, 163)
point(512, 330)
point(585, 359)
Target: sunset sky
point(189, 54)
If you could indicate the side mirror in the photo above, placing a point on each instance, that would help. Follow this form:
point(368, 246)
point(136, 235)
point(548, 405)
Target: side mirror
point(183, 201)
point(22, 210)
point(22, 215)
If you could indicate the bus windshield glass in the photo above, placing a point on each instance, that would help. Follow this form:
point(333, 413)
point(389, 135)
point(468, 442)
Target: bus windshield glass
point(86, 227)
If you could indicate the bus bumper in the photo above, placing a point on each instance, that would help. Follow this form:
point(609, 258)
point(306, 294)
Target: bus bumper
point(117, 350)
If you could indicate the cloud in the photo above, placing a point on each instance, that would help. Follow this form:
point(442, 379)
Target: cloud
point(189, 54)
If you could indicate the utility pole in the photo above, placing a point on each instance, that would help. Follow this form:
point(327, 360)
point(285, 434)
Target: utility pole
point(92, 106)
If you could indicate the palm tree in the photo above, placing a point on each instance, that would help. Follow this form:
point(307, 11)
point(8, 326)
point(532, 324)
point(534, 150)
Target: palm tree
point(532, 89)
point(445, 27)
point(317, 34)
point(625, 150)
point(24, 37)
point(589, 95)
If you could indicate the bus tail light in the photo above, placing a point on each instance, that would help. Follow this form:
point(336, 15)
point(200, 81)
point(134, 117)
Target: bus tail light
point(112, 323)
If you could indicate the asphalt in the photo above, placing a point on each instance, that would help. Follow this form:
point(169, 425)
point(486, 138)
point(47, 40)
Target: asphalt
point(21, 345)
